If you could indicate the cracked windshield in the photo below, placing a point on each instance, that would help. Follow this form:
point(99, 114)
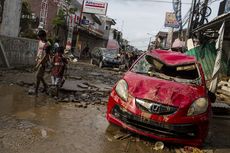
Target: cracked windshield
point(114, 76)
point(149, 66)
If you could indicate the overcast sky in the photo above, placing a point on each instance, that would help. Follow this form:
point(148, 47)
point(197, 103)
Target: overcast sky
point(136, 18)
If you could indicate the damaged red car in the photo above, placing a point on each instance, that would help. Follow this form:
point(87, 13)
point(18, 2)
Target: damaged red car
point(163, 96)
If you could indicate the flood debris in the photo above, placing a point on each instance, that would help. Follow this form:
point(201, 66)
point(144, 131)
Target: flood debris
point(44, 133)
point(159, 145)
point(189, 149)
point(220, 108)
point(75, 77)
point(122, 136)
point(223, 91)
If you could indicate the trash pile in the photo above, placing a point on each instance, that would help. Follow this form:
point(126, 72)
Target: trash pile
point(223, 92)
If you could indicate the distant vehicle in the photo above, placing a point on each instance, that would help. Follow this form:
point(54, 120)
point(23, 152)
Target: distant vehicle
point(163, 96)
point(105, 57)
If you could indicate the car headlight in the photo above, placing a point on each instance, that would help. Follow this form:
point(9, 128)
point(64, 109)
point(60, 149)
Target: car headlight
point(122, 90)
point(198, 107)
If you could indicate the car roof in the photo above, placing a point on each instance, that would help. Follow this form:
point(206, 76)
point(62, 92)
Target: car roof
point(172, 58)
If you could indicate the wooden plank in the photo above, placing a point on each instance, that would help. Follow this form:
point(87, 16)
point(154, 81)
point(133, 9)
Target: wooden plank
point(225, 88)
point(223, 83)
point(223, 92)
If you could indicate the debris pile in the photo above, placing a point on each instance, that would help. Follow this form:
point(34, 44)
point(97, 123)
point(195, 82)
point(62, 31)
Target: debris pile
point(223, 92)
point(84, 93)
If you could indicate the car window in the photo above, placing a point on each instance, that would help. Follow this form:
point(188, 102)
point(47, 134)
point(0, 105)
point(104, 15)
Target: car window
point(110, 52)
point(148, 65)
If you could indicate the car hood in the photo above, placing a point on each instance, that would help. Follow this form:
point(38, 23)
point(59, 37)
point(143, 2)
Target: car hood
point(163, 91)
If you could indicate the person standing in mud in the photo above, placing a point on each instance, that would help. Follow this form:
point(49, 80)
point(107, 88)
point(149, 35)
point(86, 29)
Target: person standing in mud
point(57, 72)
point(43, 56)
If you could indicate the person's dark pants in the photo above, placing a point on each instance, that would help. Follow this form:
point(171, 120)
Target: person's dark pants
point(40, 78)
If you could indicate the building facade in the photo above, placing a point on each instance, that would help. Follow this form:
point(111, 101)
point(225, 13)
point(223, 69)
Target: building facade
point(10, 14)
point(46, 11)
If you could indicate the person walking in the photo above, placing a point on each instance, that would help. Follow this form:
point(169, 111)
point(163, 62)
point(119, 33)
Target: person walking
point(43, 56)
point(57, 72)
point(56, 45)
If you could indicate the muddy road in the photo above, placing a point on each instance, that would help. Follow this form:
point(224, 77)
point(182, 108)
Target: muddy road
point(76, 122)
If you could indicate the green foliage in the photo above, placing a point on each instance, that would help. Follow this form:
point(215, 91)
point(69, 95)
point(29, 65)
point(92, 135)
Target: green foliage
point(59, 20)
point(26, 22)
point(26, 8)
point(29, 33)
point(72, 10)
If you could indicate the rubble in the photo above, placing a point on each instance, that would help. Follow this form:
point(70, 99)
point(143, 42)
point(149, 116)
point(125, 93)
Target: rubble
point(75, 77)
point(223, 91)
point(159, 145)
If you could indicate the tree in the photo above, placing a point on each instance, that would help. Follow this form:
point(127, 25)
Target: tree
point(27, 21)
point(60, 21)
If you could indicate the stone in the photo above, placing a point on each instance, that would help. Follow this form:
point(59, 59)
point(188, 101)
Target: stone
point(83, 86)
point(31, 91)
point(21, 83)
point(79, 105)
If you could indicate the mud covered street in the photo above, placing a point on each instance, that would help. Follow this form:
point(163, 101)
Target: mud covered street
point(76, 122)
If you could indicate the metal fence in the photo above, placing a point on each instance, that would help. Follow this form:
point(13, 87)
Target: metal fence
point(206, 55)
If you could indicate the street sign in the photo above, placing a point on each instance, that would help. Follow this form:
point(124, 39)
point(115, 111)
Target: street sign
point(95, 7)
point(170, 20)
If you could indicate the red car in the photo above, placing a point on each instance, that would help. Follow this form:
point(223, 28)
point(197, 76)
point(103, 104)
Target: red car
point(163, 96)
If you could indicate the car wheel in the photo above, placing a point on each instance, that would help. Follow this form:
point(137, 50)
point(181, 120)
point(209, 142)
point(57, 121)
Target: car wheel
point(91, 61)
point(100, 64)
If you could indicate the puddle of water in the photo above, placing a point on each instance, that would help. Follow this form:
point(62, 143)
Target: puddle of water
point(14, 99)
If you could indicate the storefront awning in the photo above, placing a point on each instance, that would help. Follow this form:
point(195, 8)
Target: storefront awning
point(96, 19)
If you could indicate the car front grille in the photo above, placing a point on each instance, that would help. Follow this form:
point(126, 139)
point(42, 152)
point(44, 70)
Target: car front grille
point(156, 108)
point(187, 131)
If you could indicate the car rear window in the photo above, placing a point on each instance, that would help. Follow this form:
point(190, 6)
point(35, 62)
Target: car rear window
point(148, 65)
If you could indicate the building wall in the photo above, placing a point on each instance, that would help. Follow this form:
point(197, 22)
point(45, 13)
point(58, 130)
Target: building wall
point(11, 18)
point(52, 12)
point(21, 53)
point(92, 41)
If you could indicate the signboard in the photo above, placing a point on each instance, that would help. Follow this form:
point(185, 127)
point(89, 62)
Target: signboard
point(85, 22)
point(95, 7)
point(1, 9)
point(170, 20)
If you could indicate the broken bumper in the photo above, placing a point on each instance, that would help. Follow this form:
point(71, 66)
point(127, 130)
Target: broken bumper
point(193, 133)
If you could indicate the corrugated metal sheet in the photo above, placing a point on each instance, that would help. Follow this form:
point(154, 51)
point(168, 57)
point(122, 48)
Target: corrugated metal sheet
point(206, 55)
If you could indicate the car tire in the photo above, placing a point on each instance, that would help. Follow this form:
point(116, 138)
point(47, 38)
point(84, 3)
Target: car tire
point(100, 64)
point(91, 61)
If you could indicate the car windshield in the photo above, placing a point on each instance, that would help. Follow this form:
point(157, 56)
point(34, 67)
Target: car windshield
point(110, 52)
point(148, 65)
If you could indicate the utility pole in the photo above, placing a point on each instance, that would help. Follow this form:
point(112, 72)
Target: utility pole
point(190, 22)
point(169, 38)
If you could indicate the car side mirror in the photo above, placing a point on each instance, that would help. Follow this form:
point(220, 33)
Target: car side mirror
point(212, 96)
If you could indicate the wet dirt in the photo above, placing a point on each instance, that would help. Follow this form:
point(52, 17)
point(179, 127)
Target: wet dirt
point(41, 124)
